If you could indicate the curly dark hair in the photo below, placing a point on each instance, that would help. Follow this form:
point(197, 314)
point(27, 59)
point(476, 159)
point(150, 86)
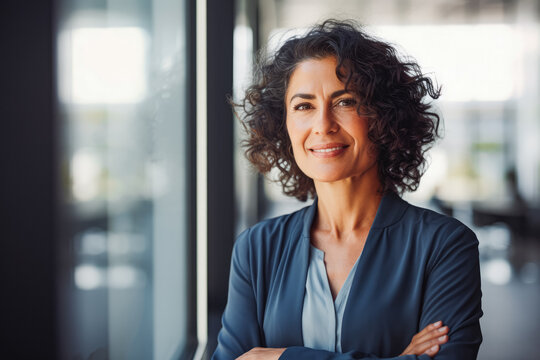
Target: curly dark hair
point(401, 125)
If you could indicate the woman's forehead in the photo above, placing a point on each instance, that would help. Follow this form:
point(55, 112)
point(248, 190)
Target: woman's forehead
point(313, 75)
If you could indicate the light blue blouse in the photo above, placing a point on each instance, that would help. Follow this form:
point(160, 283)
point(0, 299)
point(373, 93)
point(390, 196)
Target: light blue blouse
point(322, 316)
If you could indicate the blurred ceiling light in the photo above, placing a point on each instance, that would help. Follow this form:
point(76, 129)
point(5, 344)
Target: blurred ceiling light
point(497, 271)
point(103, 65)
point(499, 236)
point(89, 277)
point(86, 168)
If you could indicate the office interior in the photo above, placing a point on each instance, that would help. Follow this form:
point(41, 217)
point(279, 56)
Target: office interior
point(124, 184)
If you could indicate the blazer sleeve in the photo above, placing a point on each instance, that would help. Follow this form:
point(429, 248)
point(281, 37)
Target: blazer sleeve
point(304, 353)
point(451, 293)
point(240, 330)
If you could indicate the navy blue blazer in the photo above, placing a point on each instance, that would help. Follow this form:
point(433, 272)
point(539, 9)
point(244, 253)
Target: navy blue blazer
point(417, 267)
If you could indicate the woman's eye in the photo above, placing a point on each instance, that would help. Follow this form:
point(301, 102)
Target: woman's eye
point(302, 106)
point(346, 102)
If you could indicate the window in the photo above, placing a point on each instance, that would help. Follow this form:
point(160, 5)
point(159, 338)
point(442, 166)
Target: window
point(125, 217)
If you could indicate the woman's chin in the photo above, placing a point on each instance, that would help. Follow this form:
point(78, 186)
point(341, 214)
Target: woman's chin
point(368, 179)
point(330, 178)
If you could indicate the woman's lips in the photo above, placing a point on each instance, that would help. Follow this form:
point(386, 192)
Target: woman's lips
point(328, 150)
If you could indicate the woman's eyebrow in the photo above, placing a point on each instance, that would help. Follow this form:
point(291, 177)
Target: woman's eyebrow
point(302, 96)
point(311, 96)
point(339, 93)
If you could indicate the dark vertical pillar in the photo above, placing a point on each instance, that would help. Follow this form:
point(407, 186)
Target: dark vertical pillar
point(220, 28)
point(27, 171)
point(221, 206)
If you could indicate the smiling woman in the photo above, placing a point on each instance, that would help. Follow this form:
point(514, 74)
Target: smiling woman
point(329, 137)
point(360, 273)
point(390, 91)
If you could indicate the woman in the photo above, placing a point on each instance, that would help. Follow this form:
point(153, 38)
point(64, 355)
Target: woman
point(360, 273)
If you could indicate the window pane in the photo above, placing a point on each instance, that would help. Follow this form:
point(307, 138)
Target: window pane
point(123, 238)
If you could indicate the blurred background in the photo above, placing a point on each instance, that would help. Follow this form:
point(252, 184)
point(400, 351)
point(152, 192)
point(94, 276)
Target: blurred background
point(124, 185)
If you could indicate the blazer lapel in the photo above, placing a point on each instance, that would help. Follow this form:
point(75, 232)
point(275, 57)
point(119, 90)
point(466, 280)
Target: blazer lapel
point(390, 211)
point(283, 323)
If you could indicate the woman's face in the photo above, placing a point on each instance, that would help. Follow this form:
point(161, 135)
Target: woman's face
point(328, 136)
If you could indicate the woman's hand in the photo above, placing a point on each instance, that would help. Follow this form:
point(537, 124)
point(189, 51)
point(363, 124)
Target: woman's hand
point(260, 353)
point(428, 340)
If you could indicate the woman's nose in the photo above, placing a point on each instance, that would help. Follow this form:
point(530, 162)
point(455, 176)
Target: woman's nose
point(324, 122)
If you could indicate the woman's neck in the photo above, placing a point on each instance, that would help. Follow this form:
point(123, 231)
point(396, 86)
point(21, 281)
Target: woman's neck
point(347, 206)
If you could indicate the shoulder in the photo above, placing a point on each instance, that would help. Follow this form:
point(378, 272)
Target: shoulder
point(441, 236)
point(434, 224)
point(272, 233)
